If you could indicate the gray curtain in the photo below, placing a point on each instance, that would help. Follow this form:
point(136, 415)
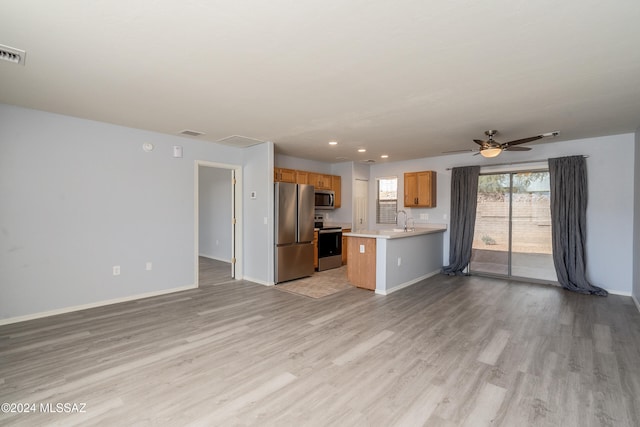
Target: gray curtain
point(568, 178)
point(464, 200)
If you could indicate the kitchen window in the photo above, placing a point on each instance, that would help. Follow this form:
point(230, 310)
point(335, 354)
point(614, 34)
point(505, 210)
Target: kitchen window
point(387, 200)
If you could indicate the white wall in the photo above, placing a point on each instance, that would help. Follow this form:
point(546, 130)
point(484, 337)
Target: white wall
point(214, 216)
point(289, 162)
point(257, 221)
point(361, 171)
point(636, 222)
point(79, 197)
point(344, 214)
point(610, 211)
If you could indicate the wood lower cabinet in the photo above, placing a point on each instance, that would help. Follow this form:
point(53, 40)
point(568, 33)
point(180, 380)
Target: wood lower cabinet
point(284, 175)
point(315, 249)
point(361, 270)
point(420, 189)
point(345, 241)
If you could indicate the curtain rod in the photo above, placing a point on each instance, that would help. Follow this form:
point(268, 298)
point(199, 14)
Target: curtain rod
point(514, 163)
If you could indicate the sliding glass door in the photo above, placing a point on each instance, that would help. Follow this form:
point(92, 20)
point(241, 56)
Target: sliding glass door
point(512, 236)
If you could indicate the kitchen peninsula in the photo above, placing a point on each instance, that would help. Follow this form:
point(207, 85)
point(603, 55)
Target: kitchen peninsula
point(388, 260)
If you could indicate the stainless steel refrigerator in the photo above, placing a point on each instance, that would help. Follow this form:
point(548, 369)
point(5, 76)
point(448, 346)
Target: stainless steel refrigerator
point(294, 210)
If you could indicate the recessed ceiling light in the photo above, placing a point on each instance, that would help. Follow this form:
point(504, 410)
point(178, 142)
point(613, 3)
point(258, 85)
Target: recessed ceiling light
point(333, 143)
point(362, 150)
point(384, 156)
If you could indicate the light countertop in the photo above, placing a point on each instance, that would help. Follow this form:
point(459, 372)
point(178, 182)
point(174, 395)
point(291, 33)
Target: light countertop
point(396, 233)
point(338, 224)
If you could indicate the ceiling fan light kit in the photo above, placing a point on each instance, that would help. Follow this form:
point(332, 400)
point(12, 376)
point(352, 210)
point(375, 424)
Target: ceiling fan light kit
point(490, 152)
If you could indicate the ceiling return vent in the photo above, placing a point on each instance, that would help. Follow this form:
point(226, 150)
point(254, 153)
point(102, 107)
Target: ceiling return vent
point(11, 54)
point(189, 132)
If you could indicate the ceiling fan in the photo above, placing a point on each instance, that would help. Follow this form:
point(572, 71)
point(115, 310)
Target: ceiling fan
point(492, 148)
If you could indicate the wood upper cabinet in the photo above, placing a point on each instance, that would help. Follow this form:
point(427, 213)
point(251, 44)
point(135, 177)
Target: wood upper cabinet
point(420, 189)
point(302, 177)
point(284, 175)
point(320, 181)
point(336, 186)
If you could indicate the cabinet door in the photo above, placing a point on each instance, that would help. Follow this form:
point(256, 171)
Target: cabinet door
point(302, 177)
point(336, 186)
point(410, 189)
point(284, 175)
point(315, 250)
point(288, 175)
point(427, 189)
point(320, 181)
point(314, 179)
point(345, 249)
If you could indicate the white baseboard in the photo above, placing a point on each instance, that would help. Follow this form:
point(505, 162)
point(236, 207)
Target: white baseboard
point(215, 258)
point(405, 284)
point(614, 292)
point(636, 301)
point(93, 305)
point(258, 281)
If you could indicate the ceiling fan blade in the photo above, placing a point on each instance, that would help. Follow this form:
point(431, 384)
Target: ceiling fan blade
point(517, 148)
point(522, 141)
point(477, 141)
point(457, 151)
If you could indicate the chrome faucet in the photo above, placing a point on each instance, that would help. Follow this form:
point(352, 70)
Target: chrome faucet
point(405, 218)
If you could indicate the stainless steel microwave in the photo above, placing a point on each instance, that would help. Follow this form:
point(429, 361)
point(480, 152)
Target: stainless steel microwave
point(325, 199)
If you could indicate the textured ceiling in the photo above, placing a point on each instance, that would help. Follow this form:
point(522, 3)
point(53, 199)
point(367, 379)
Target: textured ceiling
point(405, 78)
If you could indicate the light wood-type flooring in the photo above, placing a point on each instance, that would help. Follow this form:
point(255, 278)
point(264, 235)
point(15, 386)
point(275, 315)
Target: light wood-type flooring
point(448, 351)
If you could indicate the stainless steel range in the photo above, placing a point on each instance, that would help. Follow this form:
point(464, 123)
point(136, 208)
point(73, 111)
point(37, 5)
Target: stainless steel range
point(329, 245)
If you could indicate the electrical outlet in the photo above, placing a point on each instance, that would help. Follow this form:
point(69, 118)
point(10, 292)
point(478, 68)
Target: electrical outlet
point(399, 261)
point(361, 249)
point(444, 217)
point(424, 217)
point(149, 266)
point(116, 270)
point(217, 242)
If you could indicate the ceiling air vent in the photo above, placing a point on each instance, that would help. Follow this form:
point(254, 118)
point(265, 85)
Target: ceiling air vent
point(240, 141)
point(188, 132)
point(11, 54)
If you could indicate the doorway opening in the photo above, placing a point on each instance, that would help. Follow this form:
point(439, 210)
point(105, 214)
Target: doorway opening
point(512, 236)
point(218, 230)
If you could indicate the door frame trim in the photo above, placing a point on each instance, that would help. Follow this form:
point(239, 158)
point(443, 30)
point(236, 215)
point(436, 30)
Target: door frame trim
point(236, 209)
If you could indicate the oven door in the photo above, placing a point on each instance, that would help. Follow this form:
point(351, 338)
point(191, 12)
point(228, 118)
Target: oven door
point(329, 249)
